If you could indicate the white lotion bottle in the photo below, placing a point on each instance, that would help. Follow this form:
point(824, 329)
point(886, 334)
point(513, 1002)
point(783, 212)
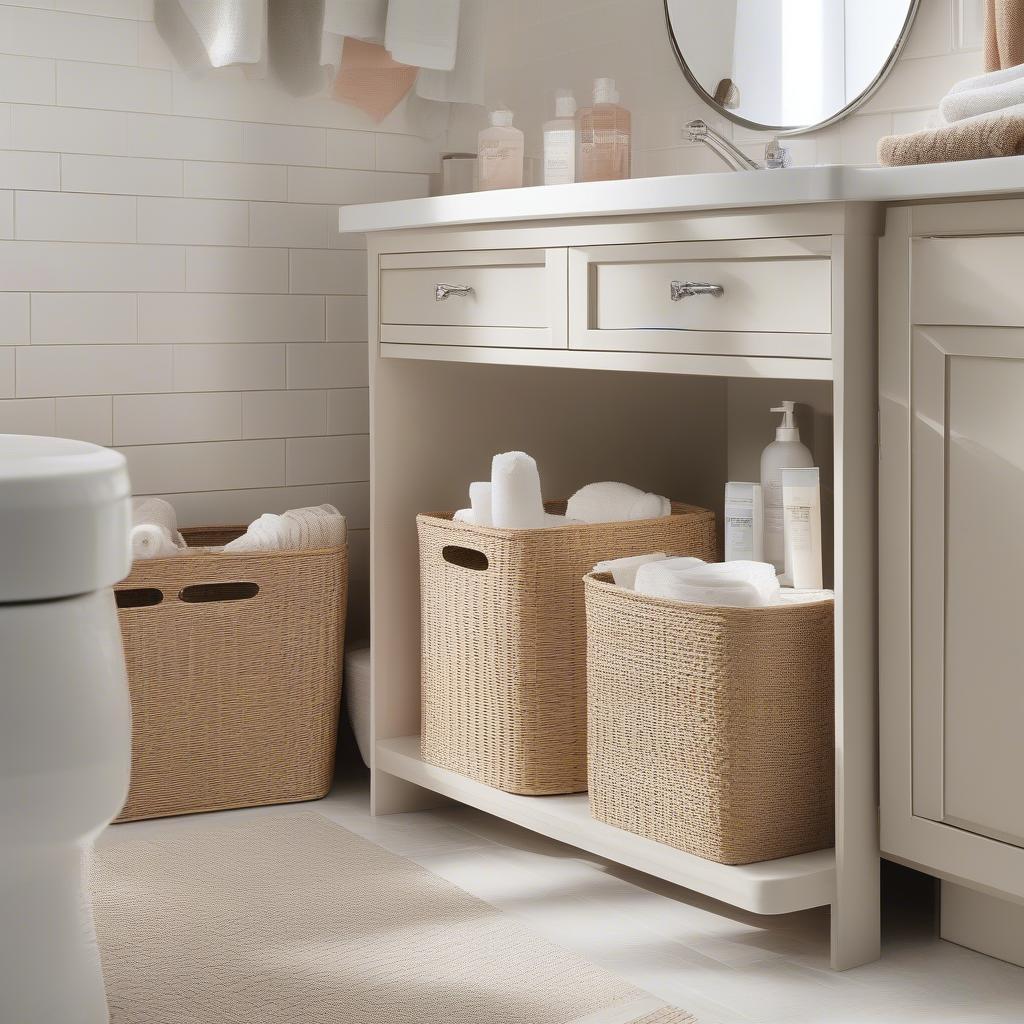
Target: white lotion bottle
point(500, 154)
point(560, 141)
point(785, 452)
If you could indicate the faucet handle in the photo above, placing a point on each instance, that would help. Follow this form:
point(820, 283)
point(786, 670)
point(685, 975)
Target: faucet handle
point(776, 155)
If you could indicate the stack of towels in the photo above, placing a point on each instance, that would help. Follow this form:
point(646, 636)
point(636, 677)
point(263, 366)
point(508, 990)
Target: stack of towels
point(155, 530)
point(736, 584)
point(979, 117)
point(512, 499)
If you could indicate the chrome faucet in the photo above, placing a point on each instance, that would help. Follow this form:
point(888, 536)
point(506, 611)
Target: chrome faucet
point(775, 155)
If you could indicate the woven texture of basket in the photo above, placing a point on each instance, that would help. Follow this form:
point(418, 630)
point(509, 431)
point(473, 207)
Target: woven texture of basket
point(503, 633)
point(234, 673)
point(711, 729)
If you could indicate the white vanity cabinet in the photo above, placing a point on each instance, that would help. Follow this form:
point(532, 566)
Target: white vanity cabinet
point(952, 547)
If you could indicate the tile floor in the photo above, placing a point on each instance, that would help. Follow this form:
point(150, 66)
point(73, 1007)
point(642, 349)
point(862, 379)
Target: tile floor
point(722, 964)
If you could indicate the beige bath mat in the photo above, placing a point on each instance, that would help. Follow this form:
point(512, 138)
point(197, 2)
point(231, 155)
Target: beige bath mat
point(291, 919)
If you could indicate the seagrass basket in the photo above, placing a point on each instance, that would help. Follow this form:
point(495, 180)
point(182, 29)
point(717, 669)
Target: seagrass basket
point(711, 729)
point(234, 667)
point(503, 641)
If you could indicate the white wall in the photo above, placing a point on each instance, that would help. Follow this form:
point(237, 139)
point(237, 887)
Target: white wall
point(172, 281)
point(541, 45)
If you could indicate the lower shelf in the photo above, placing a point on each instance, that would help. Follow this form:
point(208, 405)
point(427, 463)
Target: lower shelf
point(770, 887)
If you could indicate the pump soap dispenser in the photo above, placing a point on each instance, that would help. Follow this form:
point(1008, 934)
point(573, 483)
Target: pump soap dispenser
point(785, 452)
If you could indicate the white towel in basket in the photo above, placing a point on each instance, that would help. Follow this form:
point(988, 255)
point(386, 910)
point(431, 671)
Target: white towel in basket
point(737, 584)
point(610, 502)
point(317, 526)
point(154, 529)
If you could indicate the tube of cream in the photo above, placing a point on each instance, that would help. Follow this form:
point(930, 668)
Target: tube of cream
point(801, 509)
point(744, 522)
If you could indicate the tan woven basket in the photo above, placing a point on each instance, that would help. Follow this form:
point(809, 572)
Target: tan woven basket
point(503, 635)
point(235, 675)
point(711, 729)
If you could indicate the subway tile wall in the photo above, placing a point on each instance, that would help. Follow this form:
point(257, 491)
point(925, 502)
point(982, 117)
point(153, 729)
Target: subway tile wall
point(539, 46)
point(172, 279)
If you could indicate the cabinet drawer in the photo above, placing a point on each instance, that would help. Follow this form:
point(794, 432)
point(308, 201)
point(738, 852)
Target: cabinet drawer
point(968, 281)
point(770, 297)
point(508, 298)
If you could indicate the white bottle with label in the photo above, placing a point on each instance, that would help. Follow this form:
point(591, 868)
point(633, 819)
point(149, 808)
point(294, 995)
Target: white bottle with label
point(500, 154)
point(785, 452)
point(560, 141)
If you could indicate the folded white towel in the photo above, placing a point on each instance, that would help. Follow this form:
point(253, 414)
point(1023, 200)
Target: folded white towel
point(319, 526)
point(150, 540)
point(465, 515)
point(789, 596)
point(515, 492)
point(655, 578)
point(733, 584)
point(624, 570)
point(989, 79)
point(611, 502)
point(480, 502)
point(1005, 98)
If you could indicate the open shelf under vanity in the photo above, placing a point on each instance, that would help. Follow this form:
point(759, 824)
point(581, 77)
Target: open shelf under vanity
point(769, 887)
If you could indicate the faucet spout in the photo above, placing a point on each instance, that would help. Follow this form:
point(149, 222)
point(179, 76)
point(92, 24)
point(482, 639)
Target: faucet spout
point(700, 131)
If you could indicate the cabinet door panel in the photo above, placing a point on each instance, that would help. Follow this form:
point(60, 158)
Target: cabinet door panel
point(968, 566)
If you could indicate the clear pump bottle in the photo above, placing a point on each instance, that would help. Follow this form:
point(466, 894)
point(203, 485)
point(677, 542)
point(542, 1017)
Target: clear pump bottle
point(605, 136)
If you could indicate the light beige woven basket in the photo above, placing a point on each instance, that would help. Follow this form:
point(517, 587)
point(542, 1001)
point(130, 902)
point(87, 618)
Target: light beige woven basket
point(504, 641)
point(711, 729)
point(234, 666)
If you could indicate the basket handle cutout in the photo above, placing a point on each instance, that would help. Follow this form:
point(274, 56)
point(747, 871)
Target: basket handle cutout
point(204, 593)
point(138, 597)
point(465, 558)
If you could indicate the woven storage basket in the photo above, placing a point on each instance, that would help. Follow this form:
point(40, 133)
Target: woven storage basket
point(503, 635)
point(710, 729)
point(235, 688)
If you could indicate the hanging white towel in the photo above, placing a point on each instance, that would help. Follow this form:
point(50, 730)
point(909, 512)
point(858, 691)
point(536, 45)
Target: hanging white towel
point(231, 31)
point(423, 33)
point(515, 492)
point(466, 80)
point(357, 19)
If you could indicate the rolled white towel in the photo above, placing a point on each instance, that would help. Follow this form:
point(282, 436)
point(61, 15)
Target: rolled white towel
point(515, 492)
point(611, 502)
point(318, 526)
point(989, 79)
point(156, 511)
point(624, 570)
point(480, 502)
point(732, 584)
point(465, 515)
point(151, 540)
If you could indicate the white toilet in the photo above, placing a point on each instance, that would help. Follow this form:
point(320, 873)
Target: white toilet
point(65, 716)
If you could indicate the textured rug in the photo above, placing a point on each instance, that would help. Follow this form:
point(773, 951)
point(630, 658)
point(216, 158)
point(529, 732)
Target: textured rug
point(291, 919)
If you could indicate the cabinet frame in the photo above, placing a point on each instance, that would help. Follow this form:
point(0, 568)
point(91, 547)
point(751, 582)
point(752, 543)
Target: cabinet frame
point(909, 834)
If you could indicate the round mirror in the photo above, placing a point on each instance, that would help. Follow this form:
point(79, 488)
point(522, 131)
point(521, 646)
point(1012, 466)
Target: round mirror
point(787, 66)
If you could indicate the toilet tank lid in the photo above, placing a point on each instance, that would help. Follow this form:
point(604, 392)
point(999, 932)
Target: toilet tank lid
point(65, 516)
point(59, 470)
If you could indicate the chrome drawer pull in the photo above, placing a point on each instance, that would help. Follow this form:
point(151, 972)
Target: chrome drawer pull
point(684, 289)
point(442, 291)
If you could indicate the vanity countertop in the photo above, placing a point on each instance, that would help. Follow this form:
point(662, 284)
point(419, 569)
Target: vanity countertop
point(690, 192)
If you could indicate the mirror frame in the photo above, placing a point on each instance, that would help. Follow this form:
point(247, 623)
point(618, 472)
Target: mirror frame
point(779, 130)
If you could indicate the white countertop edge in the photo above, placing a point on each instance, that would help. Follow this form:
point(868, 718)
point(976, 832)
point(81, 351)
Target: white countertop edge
point(690, 192)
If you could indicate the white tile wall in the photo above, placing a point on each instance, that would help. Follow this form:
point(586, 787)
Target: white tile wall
point(172, 279)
